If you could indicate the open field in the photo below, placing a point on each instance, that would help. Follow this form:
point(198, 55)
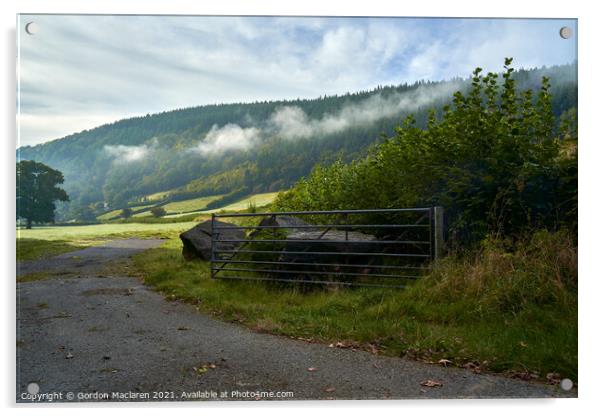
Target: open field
point(143, 210)
point(189, 205)
point(103, 231)
point(158, 196)
point(260, 200)
point(197, 206)
point(109, 215)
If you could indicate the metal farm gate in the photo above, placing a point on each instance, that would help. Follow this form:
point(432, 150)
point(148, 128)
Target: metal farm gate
point(377, 247)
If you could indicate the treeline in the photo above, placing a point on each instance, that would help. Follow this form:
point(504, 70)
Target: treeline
point(500, 160)
point(94, 177)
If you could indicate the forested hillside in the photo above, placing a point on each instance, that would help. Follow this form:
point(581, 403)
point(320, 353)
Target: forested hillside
point(246, 147)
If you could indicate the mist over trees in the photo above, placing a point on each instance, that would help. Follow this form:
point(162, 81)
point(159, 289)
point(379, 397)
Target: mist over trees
point(233, 149)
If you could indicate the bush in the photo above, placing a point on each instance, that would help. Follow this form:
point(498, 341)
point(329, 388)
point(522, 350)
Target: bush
point(158, 212)
point(126, 212)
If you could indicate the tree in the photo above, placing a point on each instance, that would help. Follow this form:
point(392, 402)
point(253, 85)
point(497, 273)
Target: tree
point(37, 191)
point(126, 212)
point(158, 211)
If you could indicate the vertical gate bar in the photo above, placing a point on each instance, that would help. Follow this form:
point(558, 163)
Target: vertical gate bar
point(438, 232)
point(431, 233)
point(212, 246)
point(346, 229)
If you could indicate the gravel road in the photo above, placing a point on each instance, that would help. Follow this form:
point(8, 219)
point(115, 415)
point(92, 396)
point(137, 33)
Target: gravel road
point(88, 337)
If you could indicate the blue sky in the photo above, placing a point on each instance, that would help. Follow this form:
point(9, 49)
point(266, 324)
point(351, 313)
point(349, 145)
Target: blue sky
point(79, 72)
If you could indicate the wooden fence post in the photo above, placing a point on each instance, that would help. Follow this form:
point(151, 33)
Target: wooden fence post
point(438, 230)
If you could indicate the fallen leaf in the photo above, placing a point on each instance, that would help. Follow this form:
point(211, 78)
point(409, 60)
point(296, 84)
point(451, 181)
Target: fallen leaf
point(553, 378)
point(312, 369)
point(329, 389)
point(204, 368)
point(431, 383)
point(69, 355)
point(444, 362)
point(523, 344)
point(375, 365)
point(183, 328)
point(201, 370)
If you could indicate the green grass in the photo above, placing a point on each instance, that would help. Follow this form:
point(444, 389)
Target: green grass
point(109, 215)
point(158, 196)
point(143, 213)
point(505, 311)
point(35, 249)
point(34, 277)
point(260, 200)
point(189, 205)
point(104, 231)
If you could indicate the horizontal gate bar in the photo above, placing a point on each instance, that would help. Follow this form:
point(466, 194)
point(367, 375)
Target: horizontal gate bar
point(324, 282)
point(291, 240)
point(292, 263)
point(321, 253)
point(352, 211)
point(240, 269)
point(350, 226)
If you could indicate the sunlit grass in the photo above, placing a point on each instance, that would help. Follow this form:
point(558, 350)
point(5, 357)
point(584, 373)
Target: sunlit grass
point(112, 230)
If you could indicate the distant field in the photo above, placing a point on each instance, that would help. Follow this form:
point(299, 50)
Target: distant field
point(260, 200)
point(117, 212)
point(109, 215)
point(157, 196)
point(196, 204)
point(142, 214)
point(103, 230)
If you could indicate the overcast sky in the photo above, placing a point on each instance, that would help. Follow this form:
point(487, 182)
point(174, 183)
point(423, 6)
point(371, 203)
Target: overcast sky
point(78, 72)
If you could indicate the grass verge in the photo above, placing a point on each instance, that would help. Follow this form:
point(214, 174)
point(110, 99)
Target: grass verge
point(500, 309)
point(33, 277)
point(35, 249)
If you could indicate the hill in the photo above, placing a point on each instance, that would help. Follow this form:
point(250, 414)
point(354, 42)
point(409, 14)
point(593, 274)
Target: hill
point(243, 148)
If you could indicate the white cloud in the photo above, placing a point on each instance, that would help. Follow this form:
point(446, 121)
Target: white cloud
point(228, 137)
point(292, 122)
point(125, 154)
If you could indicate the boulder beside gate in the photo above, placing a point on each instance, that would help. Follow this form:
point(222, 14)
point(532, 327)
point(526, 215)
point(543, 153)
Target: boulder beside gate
point(196, 242)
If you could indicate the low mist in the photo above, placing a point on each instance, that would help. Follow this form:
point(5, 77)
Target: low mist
point(291, 122)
